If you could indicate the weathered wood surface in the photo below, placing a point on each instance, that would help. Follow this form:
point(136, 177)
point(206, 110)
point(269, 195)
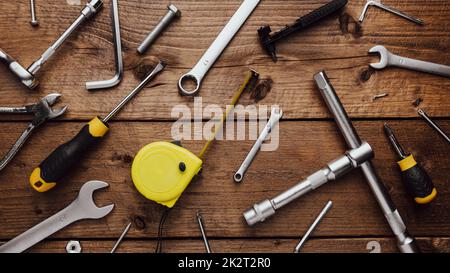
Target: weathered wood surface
point(359, 245)
point(339, 45)
point(221, 201)
point(307, 143)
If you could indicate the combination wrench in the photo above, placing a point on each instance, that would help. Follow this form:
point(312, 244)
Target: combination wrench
point(275, 117)
point(215, 50)
point(389, 59)
point(83, 207)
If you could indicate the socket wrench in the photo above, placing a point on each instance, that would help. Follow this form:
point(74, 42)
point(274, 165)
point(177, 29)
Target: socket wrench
point(334, 170)
point(215, 50)
point(275, 117)
point(406, 243)
point(27, 76)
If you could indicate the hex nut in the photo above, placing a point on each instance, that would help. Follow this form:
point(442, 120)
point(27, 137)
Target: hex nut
point(73, 247)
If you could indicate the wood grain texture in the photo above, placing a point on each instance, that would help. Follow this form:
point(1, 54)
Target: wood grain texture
point(215, 194)
point(338, 44)
point(308, 137)
point(358, 245)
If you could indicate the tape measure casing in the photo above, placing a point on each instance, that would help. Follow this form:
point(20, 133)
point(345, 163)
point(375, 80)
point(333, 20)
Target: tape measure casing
point(161, 171)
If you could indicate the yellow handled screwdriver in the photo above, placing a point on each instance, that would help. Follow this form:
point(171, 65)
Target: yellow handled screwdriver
point(64, 158)
point(417, 180)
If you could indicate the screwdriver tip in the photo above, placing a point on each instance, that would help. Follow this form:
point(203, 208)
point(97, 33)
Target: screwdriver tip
point(388, 129)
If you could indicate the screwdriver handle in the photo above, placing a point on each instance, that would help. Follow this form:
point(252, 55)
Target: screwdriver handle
point(417, 181)
point(62, 160)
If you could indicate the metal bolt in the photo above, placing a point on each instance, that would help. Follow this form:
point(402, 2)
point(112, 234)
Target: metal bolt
point(34, 22)
point(173, 13)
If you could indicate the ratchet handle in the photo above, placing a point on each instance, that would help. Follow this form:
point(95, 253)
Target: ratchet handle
point(63, 159)
point(320, 13)
point(417, 181)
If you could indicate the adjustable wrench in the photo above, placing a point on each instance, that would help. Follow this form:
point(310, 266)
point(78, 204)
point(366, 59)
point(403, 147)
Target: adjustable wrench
point(212, 54)
point(42, 112)
point(389, 59)
point(83, 207)
point(275, 117)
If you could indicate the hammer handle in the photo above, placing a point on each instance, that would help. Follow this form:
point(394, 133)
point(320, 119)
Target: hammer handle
point(320, 13)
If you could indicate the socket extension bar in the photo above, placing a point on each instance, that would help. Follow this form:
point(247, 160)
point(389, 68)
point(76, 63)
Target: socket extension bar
point(405, 242)
point(334, 170)
point(27, 76)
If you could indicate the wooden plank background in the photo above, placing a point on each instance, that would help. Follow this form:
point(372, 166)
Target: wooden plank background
point(308, 137)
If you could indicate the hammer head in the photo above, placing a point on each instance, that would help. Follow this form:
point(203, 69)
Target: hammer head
point(266, 42)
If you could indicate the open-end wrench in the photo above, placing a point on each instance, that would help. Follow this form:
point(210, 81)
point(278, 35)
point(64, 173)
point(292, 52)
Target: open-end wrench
point(378, 4)
point(83, 207)
point(42, 112)
point(275, 117)
point(389, 59)
point(215, 50)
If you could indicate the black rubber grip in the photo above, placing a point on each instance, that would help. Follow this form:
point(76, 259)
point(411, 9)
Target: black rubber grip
point(320, 13)
point(418, 182)
point(62, 160)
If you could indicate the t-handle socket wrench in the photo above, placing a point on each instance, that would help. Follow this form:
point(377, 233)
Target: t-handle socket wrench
point(27, 76)
point(217, 47)
point(275, 117)
point(389, 59)
point(334, 170)
point(406, 243)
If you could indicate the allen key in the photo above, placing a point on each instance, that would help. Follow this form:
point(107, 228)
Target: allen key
point(203, 232)
point(378, 4)
point(96, 85)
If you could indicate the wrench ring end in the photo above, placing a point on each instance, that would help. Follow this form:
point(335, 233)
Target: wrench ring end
point(183, 80)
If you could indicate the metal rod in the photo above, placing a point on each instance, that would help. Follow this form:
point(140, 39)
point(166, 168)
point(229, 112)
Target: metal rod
point(125, 231)
point(313, 226)
point(406, 243)
point(433, 125)
point(34, 21)
point(203, 231)
point(133, 93)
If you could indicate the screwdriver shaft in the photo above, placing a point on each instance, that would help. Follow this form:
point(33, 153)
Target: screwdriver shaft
point(133, 93)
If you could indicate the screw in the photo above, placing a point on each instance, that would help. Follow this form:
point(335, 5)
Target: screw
point(34, 22)
point(173, 13)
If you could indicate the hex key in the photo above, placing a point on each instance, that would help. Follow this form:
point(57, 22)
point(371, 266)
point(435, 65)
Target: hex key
point(96, 85)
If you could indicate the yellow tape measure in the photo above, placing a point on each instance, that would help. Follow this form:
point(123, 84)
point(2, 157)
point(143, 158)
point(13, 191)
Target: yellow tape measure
point(161, 171)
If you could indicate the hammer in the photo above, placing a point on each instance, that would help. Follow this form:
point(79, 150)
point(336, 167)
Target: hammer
point(268, 40)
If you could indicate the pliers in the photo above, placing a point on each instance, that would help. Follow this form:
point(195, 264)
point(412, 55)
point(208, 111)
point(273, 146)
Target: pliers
point(42, 112)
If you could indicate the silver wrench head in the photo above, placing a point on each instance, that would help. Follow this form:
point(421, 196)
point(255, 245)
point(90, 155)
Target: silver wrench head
point(384, 57)
point(86, 200)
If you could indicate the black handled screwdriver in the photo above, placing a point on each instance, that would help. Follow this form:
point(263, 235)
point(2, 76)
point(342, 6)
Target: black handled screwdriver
point(416, 179)
point(64, 158)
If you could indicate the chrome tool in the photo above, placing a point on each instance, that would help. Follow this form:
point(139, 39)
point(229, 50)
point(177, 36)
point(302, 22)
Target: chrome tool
point(119, 241)
point(378, 4)
point(433, 125)
point(203, 231)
